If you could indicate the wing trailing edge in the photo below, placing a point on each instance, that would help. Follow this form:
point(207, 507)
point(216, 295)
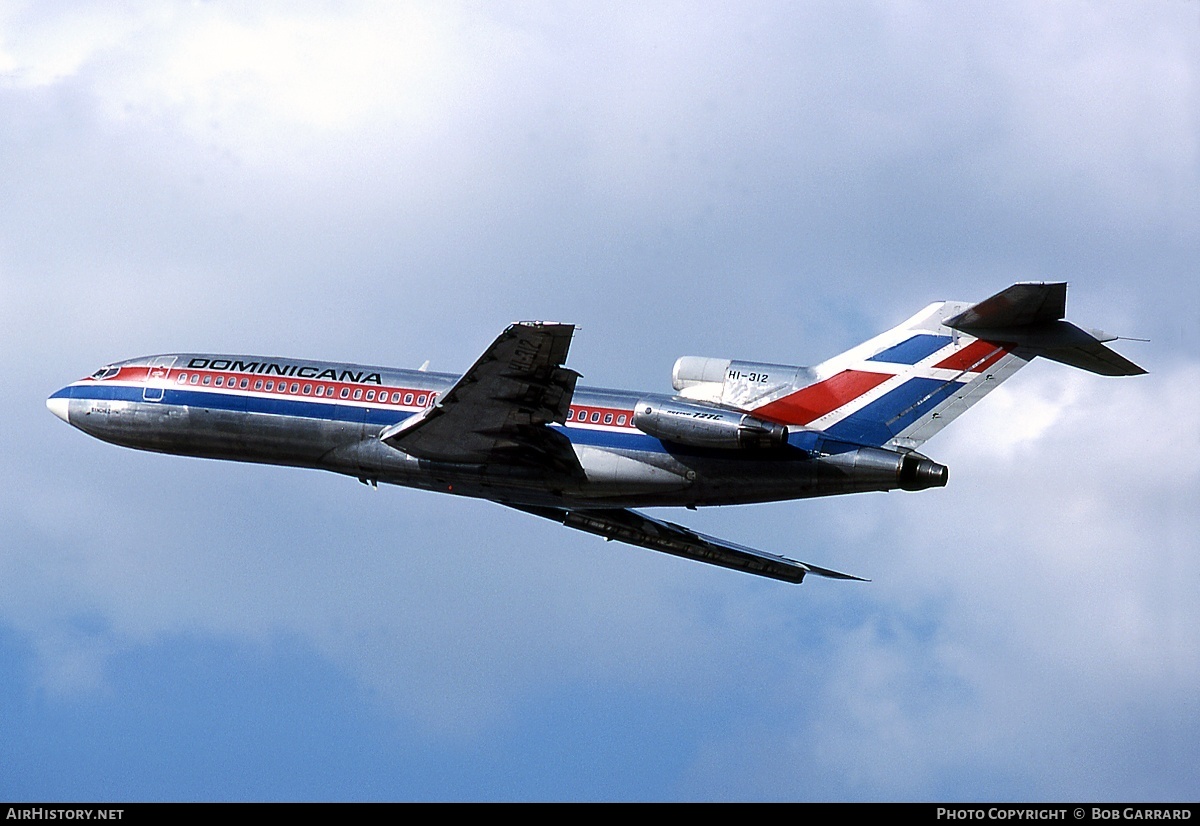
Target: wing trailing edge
point(633, 528)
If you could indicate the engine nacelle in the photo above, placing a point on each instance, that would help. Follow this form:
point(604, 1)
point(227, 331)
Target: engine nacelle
point(703, 425)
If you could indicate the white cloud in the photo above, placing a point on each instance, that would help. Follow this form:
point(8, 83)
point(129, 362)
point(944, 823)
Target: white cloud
point(393, 184)
point(40, 48)
point(1049, 589)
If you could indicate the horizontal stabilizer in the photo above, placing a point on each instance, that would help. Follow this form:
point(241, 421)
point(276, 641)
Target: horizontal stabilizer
point(634, 528)
point(1028, 320)
point(1021, 305)
point(1065, 343)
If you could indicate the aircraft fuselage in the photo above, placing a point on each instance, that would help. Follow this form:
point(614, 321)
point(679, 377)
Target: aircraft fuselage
point(330, 416)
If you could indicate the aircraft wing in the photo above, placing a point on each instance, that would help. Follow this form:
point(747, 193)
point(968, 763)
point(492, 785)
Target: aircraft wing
point(634, 528)
point(499, 411)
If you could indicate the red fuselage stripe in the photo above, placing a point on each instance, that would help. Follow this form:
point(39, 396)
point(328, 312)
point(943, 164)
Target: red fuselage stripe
point(281, 386)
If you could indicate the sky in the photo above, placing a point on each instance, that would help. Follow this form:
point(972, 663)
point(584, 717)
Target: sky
point(386, 183)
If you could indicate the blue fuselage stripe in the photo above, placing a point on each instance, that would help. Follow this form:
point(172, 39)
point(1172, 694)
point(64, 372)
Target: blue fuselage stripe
point(866, 427)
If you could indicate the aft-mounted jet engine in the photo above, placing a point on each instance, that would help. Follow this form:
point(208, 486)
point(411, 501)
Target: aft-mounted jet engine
point(705, 425)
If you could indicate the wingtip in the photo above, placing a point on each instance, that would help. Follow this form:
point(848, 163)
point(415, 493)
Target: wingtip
point(831, 574)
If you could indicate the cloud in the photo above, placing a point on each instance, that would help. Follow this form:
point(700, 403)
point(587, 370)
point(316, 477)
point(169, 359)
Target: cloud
point(1026, 634)
point(391, 184)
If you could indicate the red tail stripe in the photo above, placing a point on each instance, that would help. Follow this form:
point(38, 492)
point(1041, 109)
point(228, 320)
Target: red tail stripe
point(974, 357)
point(816, 400)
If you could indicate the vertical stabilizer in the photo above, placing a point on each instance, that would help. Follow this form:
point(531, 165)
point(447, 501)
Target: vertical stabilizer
point(903, 386)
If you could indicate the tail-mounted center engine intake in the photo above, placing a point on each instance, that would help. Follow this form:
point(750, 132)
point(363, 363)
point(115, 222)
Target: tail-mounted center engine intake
point(702, 425)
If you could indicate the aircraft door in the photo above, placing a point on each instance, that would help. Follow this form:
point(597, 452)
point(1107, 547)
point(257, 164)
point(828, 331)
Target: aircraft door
point(157, 377)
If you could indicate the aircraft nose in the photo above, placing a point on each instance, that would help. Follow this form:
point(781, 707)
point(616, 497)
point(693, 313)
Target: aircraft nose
point(58, 404)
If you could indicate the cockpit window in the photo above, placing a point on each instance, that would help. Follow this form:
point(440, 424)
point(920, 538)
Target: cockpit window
point(105, 373)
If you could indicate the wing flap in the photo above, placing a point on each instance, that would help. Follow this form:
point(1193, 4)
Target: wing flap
point(633, 528)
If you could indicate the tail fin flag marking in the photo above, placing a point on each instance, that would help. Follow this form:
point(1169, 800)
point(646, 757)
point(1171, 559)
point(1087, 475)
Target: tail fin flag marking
point(903, 386)
point(912, 350)
point(974, 358)
point(817, 400)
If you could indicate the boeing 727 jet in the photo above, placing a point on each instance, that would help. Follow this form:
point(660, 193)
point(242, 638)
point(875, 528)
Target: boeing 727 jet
point(515, 429)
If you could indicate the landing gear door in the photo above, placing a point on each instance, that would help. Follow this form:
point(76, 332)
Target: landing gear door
point(157, 378)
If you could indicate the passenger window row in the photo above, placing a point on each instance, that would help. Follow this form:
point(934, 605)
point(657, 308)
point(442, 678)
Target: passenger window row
point(317, 389)
point(596, 416)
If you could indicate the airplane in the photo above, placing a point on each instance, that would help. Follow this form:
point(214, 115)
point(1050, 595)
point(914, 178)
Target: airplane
point(515, 429)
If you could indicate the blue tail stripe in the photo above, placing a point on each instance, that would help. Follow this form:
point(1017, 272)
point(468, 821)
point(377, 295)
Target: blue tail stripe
point(912, 350)
point(884, 418)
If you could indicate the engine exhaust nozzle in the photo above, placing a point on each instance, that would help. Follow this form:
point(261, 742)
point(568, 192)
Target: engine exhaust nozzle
point(918, 473)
